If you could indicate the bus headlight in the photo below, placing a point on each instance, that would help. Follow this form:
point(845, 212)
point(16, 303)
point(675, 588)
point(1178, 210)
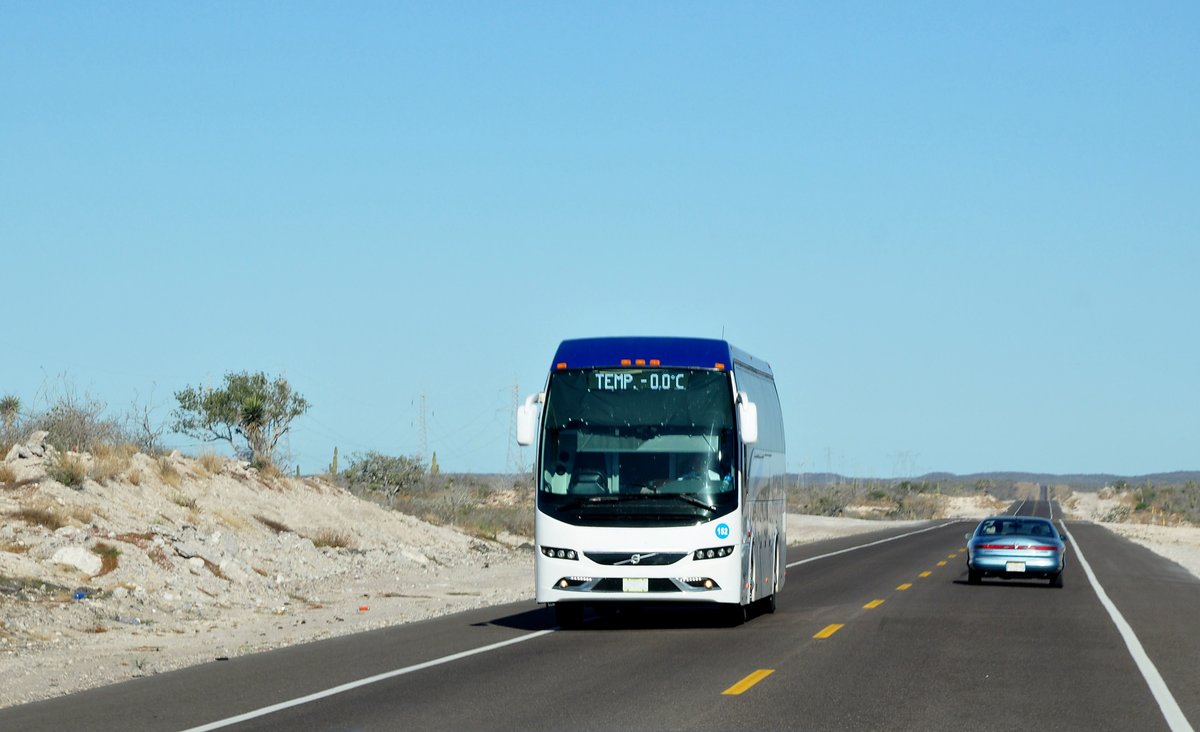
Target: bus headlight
point(715, 552)
point(556, 553)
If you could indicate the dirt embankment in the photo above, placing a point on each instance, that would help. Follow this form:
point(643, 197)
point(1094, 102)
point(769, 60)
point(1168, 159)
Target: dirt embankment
point(151, 564)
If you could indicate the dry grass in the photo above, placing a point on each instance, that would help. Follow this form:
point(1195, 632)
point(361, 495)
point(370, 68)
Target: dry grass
point(135, 477)
point(68, 469)
point(333, 538)
point(7, 474)
point(233, 520)
point(39, 517)
point(168, 474)
point(211, 462)
point(83, 514)
point(108, 557)
point(184, 501)
point(109, 462)
point(15, 548)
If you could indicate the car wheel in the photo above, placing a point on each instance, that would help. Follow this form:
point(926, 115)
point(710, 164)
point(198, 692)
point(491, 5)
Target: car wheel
point(568, 615)
point(974, 577)
point(1057, 580)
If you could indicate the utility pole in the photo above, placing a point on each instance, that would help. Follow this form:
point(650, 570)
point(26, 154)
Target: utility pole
point(423, 437)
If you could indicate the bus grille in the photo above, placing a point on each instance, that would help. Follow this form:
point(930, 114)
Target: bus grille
point(645, 559)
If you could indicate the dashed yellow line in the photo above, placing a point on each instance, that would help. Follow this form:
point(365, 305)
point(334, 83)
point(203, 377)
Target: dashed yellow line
point(829, 630)
point(872, 604)
point(942, 563)
point(749, 681)
point(952, 556)
point(926, 573)
point(904, 586)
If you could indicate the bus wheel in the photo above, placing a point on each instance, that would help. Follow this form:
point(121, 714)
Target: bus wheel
point(768, 604)
point(568, 615)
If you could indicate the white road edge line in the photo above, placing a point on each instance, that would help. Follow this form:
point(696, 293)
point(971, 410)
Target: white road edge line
point(1166, 702)
point(364, 682)
point(864, 546)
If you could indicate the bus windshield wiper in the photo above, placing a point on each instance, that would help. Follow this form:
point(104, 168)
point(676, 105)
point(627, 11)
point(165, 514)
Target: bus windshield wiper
point(619, 498)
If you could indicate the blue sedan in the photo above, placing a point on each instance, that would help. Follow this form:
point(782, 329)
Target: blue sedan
point(1016, 547)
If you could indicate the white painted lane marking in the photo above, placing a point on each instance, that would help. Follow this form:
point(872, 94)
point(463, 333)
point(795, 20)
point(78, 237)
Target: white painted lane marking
point(864, 546)
point(364, 682)
point(1166, 702)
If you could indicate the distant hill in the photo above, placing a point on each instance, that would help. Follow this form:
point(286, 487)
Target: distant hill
point(1081, 481)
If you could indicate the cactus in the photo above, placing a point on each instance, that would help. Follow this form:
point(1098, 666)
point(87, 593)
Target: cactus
point(333, 465)
point(433, 466)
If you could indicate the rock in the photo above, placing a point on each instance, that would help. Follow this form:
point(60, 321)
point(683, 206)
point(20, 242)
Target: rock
point(79, 558)
point(187, 550)
point(120, 593)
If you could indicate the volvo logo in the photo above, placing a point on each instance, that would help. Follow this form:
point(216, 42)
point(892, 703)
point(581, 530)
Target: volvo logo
point(636, 558)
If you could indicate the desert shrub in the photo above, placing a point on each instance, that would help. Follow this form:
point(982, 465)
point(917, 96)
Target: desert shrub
point(134, 477)
point(108, 556)
point(481, 505)
point(183, 501)
point(211, 462)
point(8, 474)
point(168, 474)
point(39, 517)
point(110, 461)
point(251, 412)
point(69, 469)
point(78, 423)
point(385, 474)
point(332, 538)
point(10, 412)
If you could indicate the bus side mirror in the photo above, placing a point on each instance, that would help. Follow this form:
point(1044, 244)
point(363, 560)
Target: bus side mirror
point(748, 416)
point(527, 418)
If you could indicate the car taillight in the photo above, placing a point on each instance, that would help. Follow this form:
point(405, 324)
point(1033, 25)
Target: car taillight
point(1044, 548)
point(995, 546)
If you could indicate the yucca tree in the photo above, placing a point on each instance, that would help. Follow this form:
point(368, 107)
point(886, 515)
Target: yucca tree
point(10, 409)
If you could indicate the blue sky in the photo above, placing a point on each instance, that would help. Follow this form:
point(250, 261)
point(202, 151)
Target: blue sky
point(965, 235)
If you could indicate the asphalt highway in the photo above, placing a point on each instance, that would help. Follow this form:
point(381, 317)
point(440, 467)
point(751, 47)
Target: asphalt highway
point(877, 631)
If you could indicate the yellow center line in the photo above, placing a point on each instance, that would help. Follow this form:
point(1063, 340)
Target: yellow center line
point(951, 556)
point(829, 630)
point(904, 586)
point(749, 681)
point(942, 563)
point(925, 574)
point(872, 604)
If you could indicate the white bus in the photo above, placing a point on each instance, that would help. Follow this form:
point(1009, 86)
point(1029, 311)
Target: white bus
point(660, 476)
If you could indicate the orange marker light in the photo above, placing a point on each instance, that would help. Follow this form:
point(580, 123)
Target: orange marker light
point(561, 366)
point(626, 362)
point(640, 362)
point(719, 366)
point(655, 362)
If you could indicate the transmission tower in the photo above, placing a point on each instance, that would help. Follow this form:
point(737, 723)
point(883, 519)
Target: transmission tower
point(516, 454)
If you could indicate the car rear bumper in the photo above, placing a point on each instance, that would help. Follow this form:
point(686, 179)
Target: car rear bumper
point(1016, 566)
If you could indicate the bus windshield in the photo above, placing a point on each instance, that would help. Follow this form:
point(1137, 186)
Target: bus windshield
point(636, 447)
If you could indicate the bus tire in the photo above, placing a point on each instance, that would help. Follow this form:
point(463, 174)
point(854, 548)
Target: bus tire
point(568, 615)
point(768, 604)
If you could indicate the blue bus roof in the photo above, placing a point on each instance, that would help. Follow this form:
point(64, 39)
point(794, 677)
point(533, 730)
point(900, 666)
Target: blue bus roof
point(703, 353)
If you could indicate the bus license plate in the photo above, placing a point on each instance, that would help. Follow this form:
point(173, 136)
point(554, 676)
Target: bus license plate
point(635, 584)
point(1014, 567)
